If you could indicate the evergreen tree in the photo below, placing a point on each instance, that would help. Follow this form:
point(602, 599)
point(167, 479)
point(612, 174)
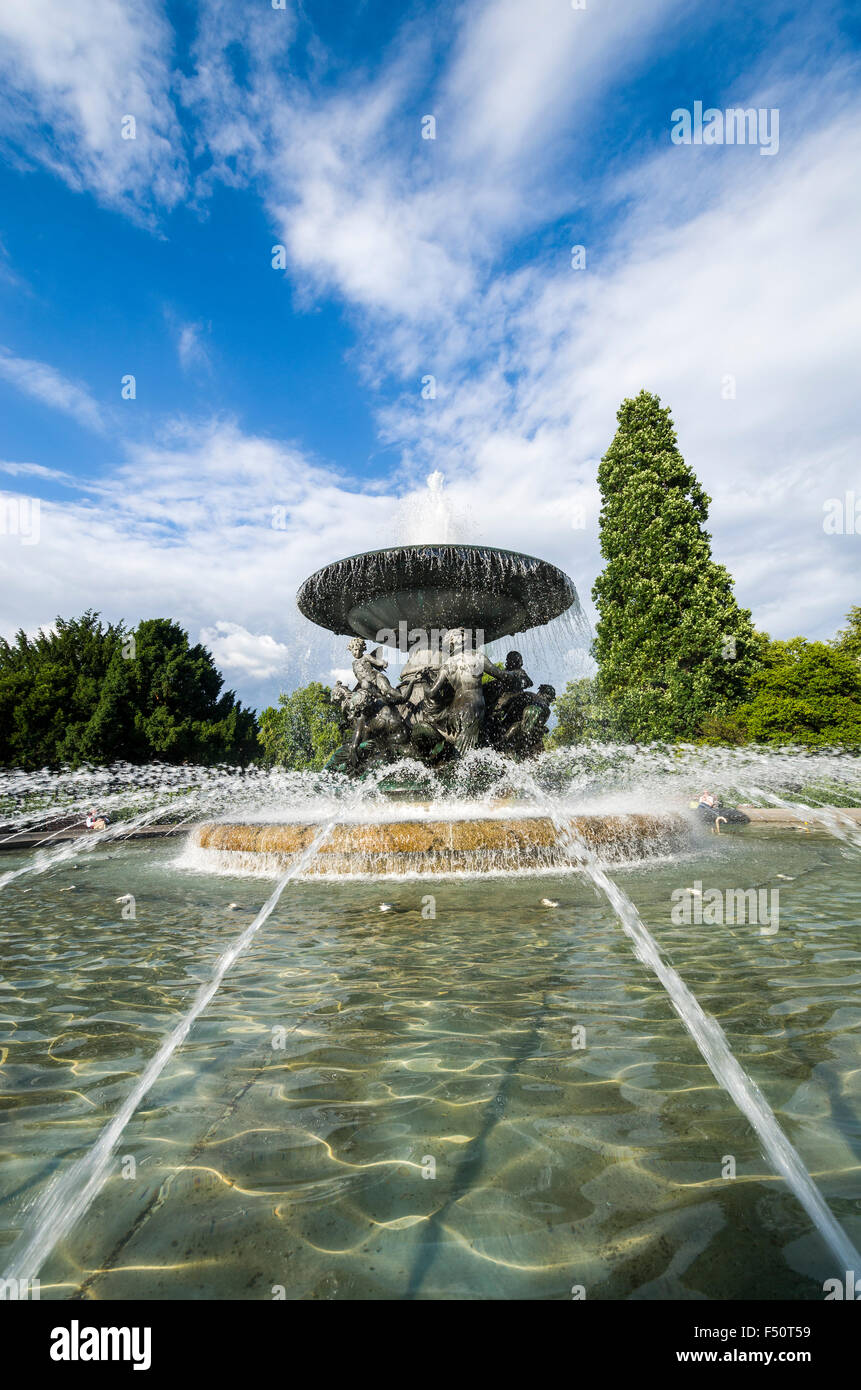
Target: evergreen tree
point(87, 692)
point(672, 645)
point(49, 686)
point(161, 699)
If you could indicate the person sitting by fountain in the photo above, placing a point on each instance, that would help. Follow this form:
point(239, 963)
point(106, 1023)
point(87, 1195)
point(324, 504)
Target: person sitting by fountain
point(96, 821)
point(710, 809)
point(461, 722)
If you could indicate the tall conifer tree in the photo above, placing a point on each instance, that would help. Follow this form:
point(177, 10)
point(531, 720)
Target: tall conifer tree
point(672, 645)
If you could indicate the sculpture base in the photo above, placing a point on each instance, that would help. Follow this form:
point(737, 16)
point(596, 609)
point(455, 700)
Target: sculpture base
point(505, 844)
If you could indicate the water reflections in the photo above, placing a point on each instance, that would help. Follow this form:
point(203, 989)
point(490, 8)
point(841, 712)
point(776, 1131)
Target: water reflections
point(400, 1039)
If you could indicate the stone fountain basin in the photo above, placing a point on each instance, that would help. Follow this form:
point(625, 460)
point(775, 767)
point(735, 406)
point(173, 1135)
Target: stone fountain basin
point(489, 844)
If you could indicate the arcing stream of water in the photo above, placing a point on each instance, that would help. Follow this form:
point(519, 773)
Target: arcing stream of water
point(712, 1043)
point(711, 1039)
point(175, 796)
point(44, 860)
point(70, 1195)
point(831, 819)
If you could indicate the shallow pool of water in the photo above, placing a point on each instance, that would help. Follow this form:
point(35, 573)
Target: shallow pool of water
point(399, 1104)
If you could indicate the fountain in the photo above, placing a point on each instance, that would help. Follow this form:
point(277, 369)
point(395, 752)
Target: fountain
point(440, 605)
point(443, 775)
point(412, 589)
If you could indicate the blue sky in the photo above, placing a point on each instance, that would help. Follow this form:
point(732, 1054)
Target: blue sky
point(300, 388)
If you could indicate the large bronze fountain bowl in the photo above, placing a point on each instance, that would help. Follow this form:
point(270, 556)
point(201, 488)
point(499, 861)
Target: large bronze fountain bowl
point(436, 587)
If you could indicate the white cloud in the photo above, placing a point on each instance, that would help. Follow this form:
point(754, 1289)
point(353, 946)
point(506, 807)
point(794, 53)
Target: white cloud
point(512, 86)
point(38, 470)
point(70, 76)
point(759, 286)
point(255, 655)
point(398, 225)
point(44, 383)
point(206, 525)
point(720, 264)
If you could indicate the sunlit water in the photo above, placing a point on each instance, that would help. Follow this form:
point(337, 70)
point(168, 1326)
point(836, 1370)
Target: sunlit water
point(350, 1051)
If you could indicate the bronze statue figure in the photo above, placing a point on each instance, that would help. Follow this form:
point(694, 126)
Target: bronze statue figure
point(372, 713)
point(461, 719)
point(448, 700)
point(368, 669)
point(446, 704)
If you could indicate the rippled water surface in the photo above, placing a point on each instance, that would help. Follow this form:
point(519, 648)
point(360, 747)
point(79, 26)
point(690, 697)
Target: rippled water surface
point(352, 1052)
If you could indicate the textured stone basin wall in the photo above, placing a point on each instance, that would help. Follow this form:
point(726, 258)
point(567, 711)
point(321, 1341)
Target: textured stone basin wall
point(456, 846)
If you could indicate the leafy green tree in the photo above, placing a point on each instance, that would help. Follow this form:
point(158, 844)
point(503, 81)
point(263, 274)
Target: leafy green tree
point(303, 731)
point(581, 715)
point(723, 730)
point(806, 692)
point(93, 693)
point(672, 645)
point(848, 640)
point(162, 699)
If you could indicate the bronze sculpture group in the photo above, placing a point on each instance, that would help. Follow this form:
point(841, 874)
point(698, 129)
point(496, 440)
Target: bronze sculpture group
point(446, 703)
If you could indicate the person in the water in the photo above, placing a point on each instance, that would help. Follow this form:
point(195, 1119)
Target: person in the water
point(710, 809)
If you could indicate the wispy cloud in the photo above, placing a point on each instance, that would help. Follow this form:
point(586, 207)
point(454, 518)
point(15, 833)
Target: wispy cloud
point(72, 78)
point(38, 470)
point(190, 347)
point(398, 225)
point(44, 383)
